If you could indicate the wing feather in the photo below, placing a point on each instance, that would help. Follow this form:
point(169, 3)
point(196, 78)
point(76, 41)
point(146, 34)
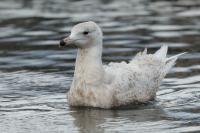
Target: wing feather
point(139, 80)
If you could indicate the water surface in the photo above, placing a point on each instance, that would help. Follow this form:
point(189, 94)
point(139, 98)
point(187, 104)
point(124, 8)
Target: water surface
point(35, 74)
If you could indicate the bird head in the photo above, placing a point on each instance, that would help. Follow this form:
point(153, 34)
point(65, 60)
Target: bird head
point(84, 35)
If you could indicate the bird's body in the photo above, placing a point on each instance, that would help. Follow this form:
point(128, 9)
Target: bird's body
point(115, 84)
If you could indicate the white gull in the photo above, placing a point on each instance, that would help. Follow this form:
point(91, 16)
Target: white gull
point(115, 84)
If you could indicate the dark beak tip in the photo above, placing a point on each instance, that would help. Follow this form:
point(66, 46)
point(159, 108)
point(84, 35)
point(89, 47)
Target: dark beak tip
point(62, 43)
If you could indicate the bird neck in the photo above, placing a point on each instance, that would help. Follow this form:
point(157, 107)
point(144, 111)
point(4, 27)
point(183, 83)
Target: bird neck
point(90, 55)
point(89, 64)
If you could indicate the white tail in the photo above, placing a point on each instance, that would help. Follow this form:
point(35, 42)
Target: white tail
point(171, 61)
point(162, 53)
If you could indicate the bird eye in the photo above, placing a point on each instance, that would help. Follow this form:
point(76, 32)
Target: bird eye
point(85, 33)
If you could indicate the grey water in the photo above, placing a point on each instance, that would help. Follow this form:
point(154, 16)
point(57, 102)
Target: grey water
point(35, 73)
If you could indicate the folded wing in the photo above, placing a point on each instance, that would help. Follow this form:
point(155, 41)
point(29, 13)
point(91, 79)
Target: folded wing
point(139, 80)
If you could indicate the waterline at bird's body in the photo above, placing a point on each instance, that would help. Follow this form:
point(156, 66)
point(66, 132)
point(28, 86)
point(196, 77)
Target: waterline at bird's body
point(115, 84)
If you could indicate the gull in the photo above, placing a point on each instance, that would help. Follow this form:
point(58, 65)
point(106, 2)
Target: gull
point(115, 84)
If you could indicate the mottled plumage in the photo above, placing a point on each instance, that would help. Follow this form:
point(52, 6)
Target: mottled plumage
point(115, 84)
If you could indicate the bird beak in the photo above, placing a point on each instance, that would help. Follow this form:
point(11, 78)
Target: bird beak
point(66, 41)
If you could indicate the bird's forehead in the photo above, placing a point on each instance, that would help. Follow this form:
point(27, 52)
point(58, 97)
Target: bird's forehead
point(84, 27)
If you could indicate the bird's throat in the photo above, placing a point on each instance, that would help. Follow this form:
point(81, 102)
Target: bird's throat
point(89, 65)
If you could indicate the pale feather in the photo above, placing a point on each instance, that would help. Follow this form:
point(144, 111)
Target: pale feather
point(115, 84)
point(139, 80)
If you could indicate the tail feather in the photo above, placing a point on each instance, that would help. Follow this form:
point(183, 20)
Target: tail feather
point(174, 57)
point(170, 62)
point(162, 52)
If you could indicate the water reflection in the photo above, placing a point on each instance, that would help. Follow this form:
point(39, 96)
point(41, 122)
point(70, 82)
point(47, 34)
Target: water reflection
point(140, 119)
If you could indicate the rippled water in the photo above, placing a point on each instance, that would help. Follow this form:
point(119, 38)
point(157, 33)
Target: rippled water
point(35, 74)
